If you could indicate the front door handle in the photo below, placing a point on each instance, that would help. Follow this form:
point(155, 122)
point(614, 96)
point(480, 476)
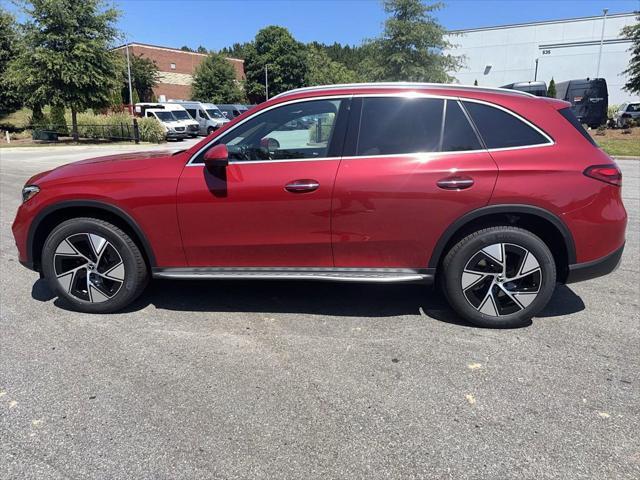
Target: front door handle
point(456, 182)
point(302, 186)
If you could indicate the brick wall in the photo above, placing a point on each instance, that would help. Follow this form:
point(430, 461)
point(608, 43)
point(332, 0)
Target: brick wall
point(176, 68)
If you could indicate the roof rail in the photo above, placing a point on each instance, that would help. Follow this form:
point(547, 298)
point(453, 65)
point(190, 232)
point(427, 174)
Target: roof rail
point(383, 85)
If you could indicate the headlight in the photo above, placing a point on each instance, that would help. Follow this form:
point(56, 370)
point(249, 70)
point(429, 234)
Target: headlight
point(170, 129)
point(29, 191)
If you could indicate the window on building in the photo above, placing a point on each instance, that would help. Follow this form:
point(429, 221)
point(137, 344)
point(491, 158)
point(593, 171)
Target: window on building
point(396, 125)
point(500, 129)
point(173, 66)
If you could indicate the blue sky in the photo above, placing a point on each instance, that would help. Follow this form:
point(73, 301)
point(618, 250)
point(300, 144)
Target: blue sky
point(218, 23)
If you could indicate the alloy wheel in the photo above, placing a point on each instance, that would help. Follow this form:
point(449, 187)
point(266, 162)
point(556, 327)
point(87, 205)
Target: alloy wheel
point(501, 279)
point(89, 267)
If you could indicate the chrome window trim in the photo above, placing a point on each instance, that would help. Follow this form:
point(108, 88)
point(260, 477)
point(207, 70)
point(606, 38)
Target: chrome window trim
point(408, 94)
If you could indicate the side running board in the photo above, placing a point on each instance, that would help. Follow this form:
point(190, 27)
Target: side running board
point(375, 275)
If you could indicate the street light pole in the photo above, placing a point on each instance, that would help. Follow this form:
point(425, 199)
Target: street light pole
point(130, 89)
point(266, 81)
point(604, 19)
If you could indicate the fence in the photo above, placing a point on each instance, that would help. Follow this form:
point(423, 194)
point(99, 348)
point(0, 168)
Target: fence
point(116, 132)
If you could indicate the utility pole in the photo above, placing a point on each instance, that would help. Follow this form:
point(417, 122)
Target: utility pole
point(604, 19)
point(266, 82)
point(130, 89)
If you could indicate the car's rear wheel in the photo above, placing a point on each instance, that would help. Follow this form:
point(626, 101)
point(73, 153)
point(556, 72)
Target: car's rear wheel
point(93, 265)
point(210, 130)
point(499, 277)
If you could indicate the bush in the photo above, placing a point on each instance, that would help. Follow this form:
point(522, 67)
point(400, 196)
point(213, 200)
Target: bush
point(611, 110)
point(117, 126)
point(151, 130)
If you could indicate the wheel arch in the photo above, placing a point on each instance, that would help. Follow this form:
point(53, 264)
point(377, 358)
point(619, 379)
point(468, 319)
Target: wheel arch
point(539, 221)
point(53, 215)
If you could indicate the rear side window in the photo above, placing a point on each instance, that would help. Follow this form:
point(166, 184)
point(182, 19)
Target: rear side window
point(458, 134)
point(500, 129)
point(569, 116)
point(395, 125)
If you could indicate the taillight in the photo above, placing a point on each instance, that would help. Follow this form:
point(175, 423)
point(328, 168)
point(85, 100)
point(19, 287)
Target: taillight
point(605, 173)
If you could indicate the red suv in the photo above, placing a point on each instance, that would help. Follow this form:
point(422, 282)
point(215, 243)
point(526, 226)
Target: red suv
point(495, 194)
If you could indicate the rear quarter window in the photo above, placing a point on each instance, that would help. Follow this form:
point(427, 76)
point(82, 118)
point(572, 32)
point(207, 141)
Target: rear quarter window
point(501, 129)
point(569, 116)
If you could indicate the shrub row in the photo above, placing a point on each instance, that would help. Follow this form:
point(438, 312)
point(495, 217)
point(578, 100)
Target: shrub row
point(115, 126)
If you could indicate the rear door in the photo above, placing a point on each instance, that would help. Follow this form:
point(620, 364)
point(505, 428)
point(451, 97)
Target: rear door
point(411, 167)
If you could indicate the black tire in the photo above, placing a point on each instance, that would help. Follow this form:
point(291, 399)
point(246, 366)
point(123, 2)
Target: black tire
point(73, 242)
point(510, 304)
point(210, 130)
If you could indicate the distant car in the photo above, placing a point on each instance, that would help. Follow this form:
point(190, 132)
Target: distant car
point(589, 99)
point(232, 111)
point(539, 89)
point(208, 115)
point(497, 194)
point(174, 129)
point(627, 111)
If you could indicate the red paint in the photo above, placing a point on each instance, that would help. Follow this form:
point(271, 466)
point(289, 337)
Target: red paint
point(367, 211)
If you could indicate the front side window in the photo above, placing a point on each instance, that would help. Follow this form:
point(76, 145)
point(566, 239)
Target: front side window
point(300, 130)
point(192, 112)
point(397, 125)
point(500, 129)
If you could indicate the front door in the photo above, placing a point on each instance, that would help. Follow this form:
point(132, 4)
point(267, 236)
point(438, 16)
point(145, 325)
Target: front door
point(271, 206)
point(411, 167)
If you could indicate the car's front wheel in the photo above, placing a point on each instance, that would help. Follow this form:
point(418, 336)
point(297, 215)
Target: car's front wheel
point(499, 277)
point(93, 265)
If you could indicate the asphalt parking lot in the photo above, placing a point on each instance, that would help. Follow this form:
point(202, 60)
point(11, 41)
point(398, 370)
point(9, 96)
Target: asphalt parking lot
point(312, 380)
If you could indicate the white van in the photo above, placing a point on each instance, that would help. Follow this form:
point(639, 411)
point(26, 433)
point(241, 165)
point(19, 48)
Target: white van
point(208, 116)
point(192, 127)
point(173, 128)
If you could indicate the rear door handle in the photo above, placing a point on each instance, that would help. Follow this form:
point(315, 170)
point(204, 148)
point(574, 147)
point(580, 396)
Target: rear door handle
point(302, 186)
point(458, 182)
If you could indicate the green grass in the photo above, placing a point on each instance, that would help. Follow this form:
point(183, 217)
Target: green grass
point(625, 147)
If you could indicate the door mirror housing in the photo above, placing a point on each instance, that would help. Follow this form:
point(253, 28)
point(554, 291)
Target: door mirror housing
point(217, 156)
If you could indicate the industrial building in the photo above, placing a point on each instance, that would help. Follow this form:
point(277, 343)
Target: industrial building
point(176, 68)
point(587, 47)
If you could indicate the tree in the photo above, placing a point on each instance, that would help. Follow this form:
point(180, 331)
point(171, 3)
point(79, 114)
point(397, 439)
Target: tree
point(237, 50)
point(184, 48)
point(411, 47)
point(66, 60)
point(144, 77)
point(214, 81)
point(551, 89)
point(9, 99)
point(202, 49)
point(324, 71)
point(632, 32)
point(285, 58)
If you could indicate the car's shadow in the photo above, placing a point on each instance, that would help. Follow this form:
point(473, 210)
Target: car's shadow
point(319, 298)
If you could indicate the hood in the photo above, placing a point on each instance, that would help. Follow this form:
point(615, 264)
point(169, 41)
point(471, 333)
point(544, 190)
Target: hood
point(118, 163)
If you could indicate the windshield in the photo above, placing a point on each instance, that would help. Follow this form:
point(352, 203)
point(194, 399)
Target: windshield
point(165, 116)
point(214, 113)
point(181, 115)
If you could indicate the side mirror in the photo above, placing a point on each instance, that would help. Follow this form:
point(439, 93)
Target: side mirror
point(217, 156)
